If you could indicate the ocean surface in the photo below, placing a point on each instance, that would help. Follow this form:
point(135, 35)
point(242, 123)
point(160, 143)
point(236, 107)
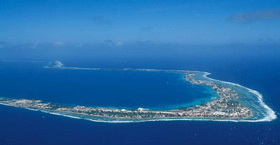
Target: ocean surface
point(100, 88)
point(117, 89)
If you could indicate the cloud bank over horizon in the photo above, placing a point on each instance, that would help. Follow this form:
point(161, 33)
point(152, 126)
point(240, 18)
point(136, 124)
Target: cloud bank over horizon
point(255, 16)
point(122, 22)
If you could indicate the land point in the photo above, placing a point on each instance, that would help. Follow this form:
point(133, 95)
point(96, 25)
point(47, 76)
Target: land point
point(224, 107)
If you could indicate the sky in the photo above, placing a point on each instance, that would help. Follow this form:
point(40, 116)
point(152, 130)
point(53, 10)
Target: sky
point(119, 22)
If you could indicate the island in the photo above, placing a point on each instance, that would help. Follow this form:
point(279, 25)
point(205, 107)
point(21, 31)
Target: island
point(234, 102)
point(55, 64)
point(223, 107)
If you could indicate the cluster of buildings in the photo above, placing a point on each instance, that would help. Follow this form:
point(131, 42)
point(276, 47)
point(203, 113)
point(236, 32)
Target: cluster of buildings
point(224, 107)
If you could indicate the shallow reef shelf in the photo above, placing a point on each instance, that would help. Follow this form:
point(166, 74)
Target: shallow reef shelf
point(234, 103)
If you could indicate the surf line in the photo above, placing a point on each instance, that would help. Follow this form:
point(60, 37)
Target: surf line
point(269, 113)
point(268, 116)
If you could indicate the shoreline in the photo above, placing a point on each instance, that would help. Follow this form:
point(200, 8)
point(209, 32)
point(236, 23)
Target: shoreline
point(271, 114)
point(224, 108)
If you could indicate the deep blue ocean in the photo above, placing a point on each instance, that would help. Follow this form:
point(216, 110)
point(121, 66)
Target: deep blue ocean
point(131, 89)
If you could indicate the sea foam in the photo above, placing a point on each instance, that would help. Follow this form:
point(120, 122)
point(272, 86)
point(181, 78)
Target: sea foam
point(268, 114)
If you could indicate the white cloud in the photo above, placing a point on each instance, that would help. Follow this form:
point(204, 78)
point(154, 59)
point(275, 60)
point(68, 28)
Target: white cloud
point(59, 43)
point(119, 43)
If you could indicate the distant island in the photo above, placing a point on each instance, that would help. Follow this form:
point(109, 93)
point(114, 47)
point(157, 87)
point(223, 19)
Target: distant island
point(228, 106)
point(55, 64)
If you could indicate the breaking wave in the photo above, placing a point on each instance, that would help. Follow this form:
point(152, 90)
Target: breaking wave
point(270, 114)
point(264, 112)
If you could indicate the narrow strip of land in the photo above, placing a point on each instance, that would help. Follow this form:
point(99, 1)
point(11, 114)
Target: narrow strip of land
point(224, 107)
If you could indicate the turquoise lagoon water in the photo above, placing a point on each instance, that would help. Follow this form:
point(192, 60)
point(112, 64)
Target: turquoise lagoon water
point(120, 88)
point(21, 126)
point(102, 88)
